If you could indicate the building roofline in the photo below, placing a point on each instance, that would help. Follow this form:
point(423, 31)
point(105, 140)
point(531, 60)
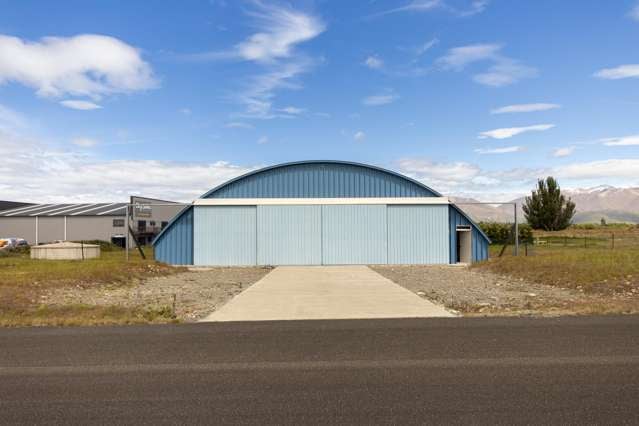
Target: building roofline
point(296, 163)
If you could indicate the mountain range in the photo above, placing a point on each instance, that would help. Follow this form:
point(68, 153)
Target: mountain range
point(592, 204)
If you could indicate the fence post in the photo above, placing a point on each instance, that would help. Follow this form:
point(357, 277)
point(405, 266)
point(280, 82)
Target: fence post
point(613, 240)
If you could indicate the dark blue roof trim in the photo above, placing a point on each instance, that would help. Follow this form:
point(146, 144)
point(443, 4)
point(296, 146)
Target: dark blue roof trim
point(463, 213)
point(297, 163)
point(171, 222)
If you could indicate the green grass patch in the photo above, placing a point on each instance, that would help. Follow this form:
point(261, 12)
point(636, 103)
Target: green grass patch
point(23, 280)
point(75, 315)
point(594, 270)
point(18, 269)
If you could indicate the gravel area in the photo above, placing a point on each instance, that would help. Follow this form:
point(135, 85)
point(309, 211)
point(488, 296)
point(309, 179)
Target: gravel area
point(484, 293)
point(197, 293)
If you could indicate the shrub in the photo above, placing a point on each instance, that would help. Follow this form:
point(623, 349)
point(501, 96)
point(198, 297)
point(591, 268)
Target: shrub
point(501, 233)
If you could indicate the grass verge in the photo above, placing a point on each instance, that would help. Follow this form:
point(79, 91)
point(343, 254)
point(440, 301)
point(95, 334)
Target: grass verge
point(23, 280)
point(593, 271)
point(76, 315)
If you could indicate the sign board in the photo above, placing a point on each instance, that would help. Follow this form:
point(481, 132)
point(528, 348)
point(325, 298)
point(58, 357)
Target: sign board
point(142, 210)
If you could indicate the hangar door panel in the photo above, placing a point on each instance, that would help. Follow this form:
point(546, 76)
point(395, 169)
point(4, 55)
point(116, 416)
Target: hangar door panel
point(289, 235)
point(224, 235)
point(418, 234)
point(353, 234)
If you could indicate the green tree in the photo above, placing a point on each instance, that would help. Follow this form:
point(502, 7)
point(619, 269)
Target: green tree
point(546, 208)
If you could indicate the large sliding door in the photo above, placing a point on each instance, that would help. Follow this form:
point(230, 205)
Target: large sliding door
point(418, 234)
point(339, 234)
point(354, 234)
point(224, 235)
point(289, 235)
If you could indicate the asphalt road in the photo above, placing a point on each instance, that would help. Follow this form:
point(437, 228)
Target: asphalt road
point(445, 371)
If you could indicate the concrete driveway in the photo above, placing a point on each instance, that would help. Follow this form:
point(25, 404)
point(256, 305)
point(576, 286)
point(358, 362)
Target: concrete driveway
point(325, 292)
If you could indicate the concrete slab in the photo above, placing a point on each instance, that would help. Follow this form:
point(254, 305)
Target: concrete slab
point(325, 292)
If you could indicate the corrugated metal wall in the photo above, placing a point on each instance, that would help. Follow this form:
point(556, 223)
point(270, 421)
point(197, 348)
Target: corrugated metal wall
point(418, 234)
point(225, 235)
point(354, 234)
point(479, 243)
point(175, 246)
point(289, 235)
point(321, 180)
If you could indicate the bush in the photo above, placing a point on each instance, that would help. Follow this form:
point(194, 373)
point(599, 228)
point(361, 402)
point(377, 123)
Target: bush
point(16, 251)
point(501, 233)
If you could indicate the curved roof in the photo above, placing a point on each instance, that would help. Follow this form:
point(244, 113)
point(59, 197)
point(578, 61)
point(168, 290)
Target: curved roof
point(321, 179)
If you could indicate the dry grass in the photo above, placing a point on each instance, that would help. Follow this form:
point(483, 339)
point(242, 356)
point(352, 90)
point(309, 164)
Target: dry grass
point(22, 281)
point(71, 315)
point(592, 270)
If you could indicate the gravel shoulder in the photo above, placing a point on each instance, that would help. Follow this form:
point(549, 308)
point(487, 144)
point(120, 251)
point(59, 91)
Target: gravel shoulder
point(473, 292)
point(194, 294)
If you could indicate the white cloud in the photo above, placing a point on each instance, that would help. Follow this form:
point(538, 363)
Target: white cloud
point(563, 152)
point(604, 170)
point(238, 125)
point(503, 71)
point(509, 132)
point(458, 58)
point(84, 65)
point(634, 12)
point(374, 62)
point(359, 136)
point(504, 150)
point(477, 6)
point(504, 185)
point(281, 29)
point(291, 110)
point(413, 6)
point(380, 99)
point(258, 96)
point(617, 73)
point(10, 118)
point(420, 50)
point(262, 140)
point(524, 108)
point(621, 141)
point(85, 142)
point(79, 104)
point(33, 172)
point(185, 111)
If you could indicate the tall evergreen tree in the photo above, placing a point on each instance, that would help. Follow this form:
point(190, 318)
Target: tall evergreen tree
point(546, 208)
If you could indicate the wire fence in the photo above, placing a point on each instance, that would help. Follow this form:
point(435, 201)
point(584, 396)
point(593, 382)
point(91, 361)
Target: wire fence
point(612, 240)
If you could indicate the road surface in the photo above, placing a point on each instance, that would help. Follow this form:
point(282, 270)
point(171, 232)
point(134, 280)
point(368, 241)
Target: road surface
point(399, 371)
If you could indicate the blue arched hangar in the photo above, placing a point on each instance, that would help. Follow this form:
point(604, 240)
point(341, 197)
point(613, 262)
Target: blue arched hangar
point(321, 213)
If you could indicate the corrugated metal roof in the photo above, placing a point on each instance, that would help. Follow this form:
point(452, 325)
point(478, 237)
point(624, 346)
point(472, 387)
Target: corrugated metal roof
point(321, 179)
point(93, 209)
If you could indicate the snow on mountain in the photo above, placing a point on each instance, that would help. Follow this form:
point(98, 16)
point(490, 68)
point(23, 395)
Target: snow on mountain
point(603, 201)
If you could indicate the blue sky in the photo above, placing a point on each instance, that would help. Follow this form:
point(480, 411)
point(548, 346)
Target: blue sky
point(99, 100)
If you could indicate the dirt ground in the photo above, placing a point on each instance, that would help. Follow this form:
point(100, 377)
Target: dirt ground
point(473, 292)
point(197, 293)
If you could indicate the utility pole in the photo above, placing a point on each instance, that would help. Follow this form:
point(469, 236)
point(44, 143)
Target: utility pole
point(126, 235)
point(516, 231)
